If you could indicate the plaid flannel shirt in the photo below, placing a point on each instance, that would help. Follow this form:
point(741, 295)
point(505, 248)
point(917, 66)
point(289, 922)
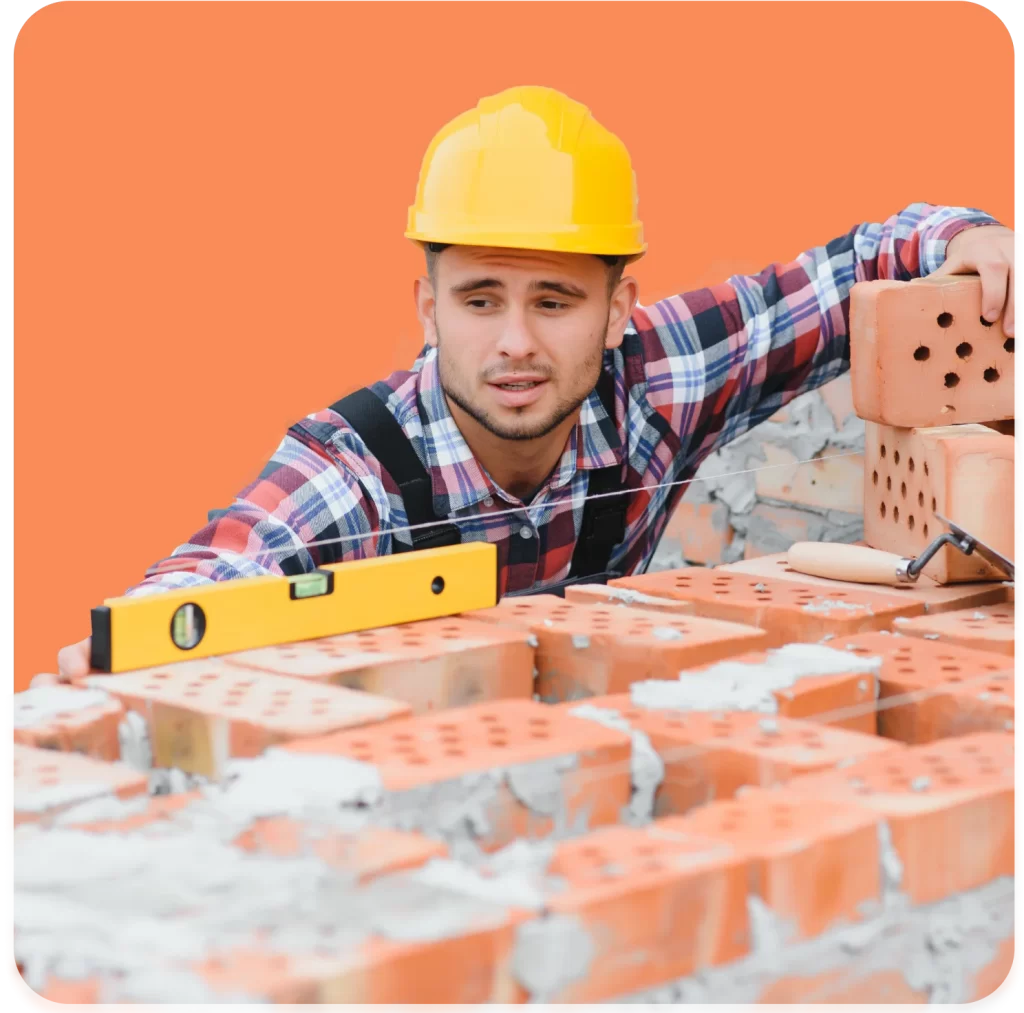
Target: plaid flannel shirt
point(694, 372)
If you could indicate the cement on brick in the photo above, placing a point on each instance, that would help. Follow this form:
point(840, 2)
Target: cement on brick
point(551, 953)
point(42, 705)
point(748, 686)
point(938, 949)
point(646, 767)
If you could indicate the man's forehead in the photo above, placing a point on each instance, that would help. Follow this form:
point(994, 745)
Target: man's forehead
point(469, 258)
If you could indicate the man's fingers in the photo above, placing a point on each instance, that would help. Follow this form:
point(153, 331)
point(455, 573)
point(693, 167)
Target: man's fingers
point(44, 679)
point(1008, 315)
point(73, 661)
point(993, 289)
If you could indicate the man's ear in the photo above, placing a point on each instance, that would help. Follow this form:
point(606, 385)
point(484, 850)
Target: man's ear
point(621, 306)
point(423, 293)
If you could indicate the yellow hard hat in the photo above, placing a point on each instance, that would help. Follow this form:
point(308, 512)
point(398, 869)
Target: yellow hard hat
point(532, 169)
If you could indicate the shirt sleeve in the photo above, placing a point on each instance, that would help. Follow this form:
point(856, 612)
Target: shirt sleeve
point(317, 500)
point(717, 361)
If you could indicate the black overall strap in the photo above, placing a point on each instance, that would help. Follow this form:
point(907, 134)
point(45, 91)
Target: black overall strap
point(386, 440)
point(604, 519)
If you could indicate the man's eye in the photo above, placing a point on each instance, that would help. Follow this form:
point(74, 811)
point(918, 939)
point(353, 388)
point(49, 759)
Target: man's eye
point(551, 304)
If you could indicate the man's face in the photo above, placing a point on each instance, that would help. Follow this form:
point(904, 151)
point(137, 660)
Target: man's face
point(520, 334)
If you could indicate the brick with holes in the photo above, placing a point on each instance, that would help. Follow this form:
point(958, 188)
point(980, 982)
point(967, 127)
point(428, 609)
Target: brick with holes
point(709, 755)
point(697, 532)
point(200, 714)
point(644, 905)
point(431, 665)
point(48, 782)
point(69, 719)
point(935, 597)
point(965, 473)
point(930, 690)
point(788, 611)
point(602, 595)
point(989, 628)
point(585, 650)
point(948, 805)
point(491, 772)
point(816, 862)
point(921, 354)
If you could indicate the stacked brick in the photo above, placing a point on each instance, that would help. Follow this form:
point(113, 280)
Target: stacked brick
point(730, 784)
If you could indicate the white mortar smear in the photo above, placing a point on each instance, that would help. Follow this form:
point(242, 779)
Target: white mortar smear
point(745, 686)
point(646, 768)
point(39, 706)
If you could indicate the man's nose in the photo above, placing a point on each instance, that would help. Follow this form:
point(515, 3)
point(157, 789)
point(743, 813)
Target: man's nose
point(516, 341)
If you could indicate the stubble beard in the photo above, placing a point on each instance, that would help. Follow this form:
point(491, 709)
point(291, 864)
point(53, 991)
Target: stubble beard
point(590, 368)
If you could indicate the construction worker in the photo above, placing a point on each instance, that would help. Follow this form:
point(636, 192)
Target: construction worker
point(543, 382)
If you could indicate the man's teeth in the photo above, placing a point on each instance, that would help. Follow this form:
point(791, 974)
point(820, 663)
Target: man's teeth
point(519, 386)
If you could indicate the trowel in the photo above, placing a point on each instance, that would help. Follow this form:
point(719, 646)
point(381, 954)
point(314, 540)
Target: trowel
point(863, 565)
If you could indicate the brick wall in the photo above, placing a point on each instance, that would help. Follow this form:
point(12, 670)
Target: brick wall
point(725, 517)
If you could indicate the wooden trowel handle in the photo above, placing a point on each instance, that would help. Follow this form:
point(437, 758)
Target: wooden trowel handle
point(838, 561)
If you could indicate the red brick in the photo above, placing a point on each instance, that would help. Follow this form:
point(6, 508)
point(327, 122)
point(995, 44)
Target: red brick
point(920, 354)
point(948, 804)
point(202, 713)
point(433, 749)
point(930, 690)
point(709, 756)
point(589, 651)
point(431, 665)
point(834, 481)
point(604, 596)
point(989, 628)
point(47, 782)
point(658, 903)
point(701, 532)
point(848, 985)
point(68, 719)
point(935, 597)
point(844, 700)
point(964, 473)
point(815, 862)
point(787, 610)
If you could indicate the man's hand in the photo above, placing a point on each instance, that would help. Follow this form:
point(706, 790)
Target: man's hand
point(985, 250)
point(72, 662)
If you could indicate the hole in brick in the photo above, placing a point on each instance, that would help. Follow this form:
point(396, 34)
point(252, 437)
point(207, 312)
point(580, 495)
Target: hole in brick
point(454, 752)
point(944, 319)
point(921, 353)
point(403, 737)
point(151, 685)
point(418, 760)
point(488, 717)
point(499, 742)
point(539, 721)
point(881, 509)
point(995, 689)
point(906, 671)
point(951, 379)
point(954, 678)
point(910, 522)
point(888, 484)
point(964, 349)
point(950, 668)
point(1008, 345)
point(920, 499)
point(874, 478)
point(903, 489)
point(164, 675)
point(895, 457)
point(896, 514)
point(191, 692)
point(991, 374)
point(208, 676)
point(881, 451)
point(925, 531)
point(910, 463)
point(934, 505)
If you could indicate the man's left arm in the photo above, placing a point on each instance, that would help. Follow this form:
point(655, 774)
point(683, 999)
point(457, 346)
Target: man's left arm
point(718, 361)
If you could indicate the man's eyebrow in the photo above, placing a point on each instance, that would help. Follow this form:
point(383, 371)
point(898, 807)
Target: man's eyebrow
point(562, 288)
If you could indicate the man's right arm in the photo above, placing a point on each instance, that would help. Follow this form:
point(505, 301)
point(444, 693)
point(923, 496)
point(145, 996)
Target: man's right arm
point(319, 499)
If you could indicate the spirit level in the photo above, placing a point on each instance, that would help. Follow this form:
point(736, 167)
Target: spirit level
point(249, 612)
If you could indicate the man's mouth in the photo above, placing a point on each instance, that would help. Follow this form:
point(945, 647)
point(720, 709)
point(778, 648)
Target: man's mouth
point(523, 385)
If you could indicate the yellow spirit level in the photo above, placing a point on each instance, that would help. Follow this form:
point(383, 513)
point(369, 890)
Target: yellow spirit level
point(249, 612)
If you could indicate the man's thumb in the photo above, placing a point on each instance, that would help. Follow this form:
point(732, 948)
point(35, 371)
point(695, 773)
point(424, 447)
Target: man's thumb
point(74, 661)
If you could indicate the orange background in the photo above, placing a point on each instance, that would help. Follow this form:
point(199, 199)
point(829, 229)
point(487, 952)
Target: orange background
point(210, 200)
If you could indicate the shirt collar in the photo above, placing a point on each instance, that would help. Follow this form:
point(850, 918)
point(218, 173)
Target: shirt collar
point(458, 479)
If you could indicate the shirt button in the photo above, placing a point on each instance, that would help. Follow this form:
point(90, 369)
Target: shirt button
point(526, 531)
point(489, 501)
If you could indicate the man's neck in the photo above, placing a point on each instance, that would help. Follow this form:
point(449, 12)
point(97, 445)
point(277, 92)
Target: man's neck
point(519, 467)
